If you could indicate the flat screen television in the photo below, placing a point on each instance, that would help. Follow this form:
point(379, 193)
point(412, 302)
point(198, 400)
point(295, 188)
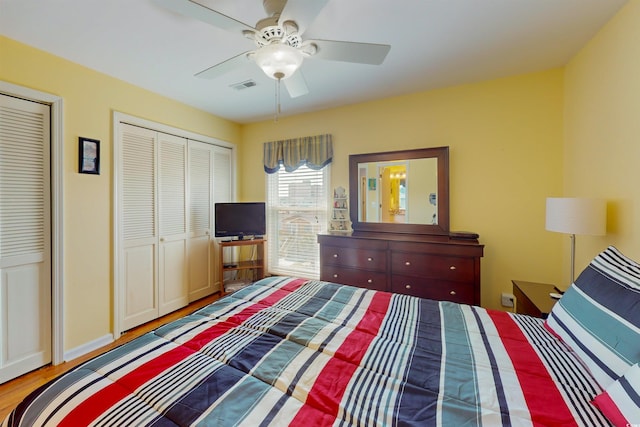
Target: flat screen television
point(240, 219)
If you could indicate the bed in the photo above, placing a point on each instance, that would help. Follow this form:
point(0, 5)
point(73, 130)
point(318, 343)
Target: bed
point(291, 351)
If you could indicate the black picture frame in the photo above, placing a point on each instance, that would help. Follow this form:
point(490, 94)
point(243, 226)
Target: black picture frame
point(88, 156)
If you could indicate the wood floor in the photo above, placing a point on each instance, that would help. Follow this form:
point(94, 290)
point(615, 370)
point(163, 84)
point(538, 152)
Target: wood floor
point(12, 392)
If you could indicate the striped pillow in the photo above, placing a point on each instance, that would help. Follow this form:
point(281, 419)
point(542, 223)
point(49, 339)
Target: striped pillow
point(620, 403)
point(599, 316)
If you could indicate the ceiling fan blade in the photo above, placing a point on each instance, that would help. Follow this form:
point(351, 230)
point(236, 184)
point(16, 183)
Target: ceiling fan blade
point(302, 12)
point(362, 53)
point(224, 67)
point(202, 13)
point(296, 85)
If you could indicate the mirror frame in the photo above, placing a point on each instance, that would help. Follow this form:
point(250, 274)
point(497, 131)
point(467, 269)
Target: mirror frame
point(439, 153)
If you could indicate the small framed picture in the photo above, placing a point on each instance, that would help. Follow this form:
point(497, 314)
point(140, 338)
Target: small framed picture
point(372, 184)
point(88, 156)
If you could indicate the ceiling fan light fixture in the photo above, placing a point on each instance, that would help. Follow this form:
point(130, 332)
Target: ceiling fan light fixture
point(278, 60)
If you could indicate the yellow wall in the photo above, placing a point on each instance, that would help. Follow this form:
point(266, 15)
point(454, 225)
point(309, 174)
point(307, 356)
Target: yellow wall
point(602, 140)
point(424, 177)
point(505, 139)
point(89, 101)
point(513, 142)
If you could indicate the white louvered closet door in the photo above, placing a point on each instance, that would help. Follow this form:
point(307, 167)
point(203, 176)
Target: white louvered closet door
point(222, 192)
point(139, 227)
point(172, 191)
point(209, 182)
point(25, 237)
point(166, 188)
point(201, 279)
point(222, 175)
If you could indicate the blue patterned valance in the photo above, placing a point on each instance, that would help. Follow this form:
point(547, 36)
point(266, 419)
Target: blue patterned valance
point(314, 151)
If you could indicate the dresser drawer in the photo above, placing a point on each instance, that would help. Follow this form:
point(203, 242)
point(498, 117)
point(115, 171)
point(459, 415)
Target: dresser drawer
point(433, 289)
point(369, 259)
point(433, 267)
point(375, 280)
point(446, 268)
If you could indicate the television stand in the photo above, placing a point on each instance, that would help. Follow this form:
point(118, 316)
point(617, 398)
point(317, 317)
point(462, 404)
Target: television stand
point(238, 267)
point(248, 237)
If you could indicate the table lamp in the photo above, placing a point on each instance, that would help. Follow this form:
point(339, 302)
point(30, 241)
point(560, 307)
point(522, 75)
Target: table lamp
point(575, 215)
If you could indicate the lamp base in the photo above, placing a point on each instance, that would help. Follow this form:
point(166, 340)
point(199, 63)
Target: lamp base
point(573, 257)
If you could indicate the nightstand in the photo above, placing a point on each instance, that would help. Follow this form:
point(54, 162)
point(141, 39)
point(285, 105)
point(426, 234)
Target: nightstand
point(533, 298)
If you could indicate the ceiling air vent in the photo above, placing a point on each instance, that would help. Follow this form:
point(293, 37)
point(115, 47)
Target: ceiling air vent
point(244, 85)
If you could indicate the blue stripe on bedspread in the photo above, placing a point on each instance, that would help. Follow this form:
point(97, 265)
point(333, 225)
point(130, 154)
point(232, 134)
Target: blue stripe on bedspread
point(329, 304)
point(241, 393)
point(460, 385)
point(273, 334)
point(419, 399)
point(500, 391)
point(86, 373)
point(266, 345)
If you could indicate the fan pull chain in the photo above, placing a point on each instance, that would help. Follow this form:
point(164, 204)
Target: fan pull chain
point(278, 77)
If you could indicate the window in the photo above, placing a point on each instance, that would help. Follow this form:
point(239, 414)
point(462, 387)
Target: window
point(297, 210)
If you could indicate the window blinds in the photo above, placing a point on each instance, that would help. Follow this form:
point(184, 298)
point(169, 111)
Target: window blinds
point(297, 210)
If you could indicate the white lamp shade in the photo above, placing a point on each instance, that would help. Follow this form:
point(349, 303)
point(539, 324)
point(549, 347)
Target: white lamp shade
point(577, 215)
point(277, 60)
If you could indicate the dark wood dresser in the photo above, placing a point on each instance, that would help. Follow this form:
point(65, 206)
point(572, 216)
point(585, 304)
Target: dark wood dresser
point(434, 267)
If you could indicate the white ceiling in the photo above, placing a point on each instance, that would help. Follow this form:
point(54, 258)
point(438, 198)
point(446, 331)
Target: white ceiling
point(434, 43)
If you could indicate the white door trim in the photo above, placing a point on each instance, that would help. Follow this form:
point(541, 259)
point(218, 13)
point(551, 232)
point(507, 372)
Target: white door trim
point(57, 255)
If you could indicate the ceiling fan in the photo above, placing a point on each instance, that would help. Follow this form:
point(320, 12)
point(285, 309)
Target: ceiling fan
point(280, 48)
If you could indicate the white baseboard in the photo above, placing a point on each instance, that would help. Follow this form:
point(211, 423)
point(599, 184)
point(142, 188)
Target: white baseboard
point(88, 347)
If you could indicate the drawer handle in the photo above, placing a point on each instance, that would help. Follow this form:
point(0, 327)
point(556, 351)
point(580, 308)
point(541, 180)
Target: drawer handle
point(370, 281)
point(407, 263)
point(452, 293)
point(407, 286)
point(369, 259)
point(453, 267)
point(335, 275)
point(335, 255)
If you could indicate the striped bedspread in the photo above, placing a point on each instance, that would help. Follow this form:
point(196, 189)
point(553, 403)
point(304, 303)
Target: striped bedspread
point(288, 351)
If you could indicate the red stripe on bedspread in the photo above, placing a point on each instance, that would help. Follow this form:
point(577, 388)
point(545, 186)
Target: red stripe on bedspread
point(545, 402)
point(605, 403)
point(91, 408)
point(331, 384)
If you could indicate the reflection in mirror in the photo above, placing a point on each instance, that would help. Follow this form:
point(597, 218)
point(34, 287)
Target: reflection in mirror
point(401, 192)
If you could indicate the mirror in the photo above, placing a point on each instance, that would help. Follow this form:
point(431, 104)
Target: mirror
point(400, 191)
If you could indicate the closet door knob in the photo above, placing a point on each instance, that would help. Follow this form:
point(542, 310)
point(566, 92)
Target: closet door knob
point(335, 255)
point(369, 281)
point(407, 263)
point(369, 259)
point(407, 286)
point(162, 239)
point(452, 293)
point(453, 267)
point(335, 276)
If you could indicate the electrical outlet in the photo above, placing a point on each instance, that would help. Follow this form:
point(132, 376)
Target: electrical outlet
point(507, 299)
